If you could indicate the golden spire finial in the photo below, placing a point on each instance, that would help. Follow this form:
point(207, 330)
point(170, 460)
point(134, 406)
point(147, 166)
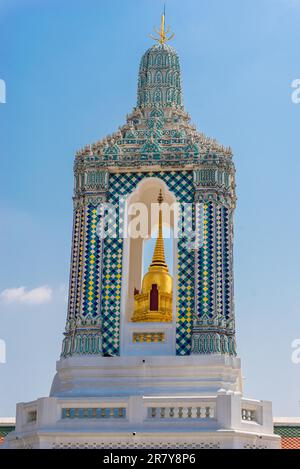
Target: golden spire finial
point(162, 33)
point(158, 259)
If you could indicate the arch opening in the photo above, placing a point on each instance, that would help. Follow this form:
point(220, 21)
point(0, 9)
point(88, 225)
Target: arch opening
point(148, 299)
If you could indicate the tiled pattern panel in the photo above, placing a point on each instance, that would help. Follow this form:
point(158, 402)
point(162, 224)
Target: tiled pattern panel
point(76, 261)
point(92, 264)
point(80, 263)
point(4, 431)
point(227, 273)
point(185, 284)
point(290, 435)
point(121, 185)
point(213, 262)
point(85, 277)
point(290, 443)
point(111, 295)
point(219, 261)
point(205, 260)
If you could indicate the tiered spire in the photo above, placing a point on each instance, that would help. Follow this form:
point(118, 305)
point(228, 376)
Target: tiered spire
point(158, 259)
point(159, 76)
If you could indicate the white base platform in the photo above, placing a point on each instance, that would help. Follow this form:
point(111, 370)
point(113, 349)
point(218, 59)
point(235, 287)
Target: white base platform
point(152, 402)
point(161, 375)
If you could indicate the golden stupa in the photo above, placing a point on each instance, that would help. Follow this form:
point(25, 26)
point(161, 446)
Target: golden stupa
point(154, 302)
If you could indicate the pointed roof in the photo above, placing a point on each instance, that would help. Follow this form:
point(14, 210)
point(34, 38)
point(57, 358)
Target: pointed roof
point(158, 259)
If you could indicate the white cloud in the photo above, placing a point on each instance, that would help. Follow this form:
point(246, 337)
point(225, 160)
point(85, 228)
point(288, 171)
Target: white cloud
point(37, 295)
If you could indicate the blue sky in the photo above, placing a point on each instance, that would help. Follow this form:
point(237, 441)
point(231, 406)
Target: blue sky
point(70, 68)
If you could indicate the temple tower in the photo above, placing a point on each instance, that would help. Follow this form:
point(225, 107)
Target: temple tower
point(141, 350)
point(158, 141)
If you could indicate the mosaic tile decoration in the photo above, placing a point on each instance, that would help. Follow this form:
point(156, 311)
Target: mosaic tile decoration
point(85, 277)
point(121, 185)
point(78, 216)
point(79, 262)
point(205, 270)
point(219, 262)
point(214, 325)
point(83, 328)
point(111, 295)
point(92, 264)
point(227, 264)
point(213, 262)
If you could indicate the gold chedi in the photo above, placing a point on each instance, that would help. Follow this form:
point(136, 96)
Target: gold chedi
point(154, 302)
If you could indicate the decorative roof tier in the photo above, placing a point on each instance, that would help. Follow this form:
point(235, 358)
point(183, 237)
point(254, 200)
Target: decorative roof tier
point(155, 135)
point(158, 130)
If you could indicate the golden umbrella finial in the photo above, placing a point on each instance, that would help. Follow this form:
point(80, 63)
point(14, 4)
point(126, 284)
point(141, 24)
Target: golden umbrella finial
point(162, 33)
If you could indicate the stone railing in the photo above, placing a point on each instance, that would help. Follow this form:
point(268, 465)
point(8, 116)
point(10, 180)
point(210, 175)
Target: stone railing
point(249, 415)
point(93, 412)
point(209, 412)
point(206, 411)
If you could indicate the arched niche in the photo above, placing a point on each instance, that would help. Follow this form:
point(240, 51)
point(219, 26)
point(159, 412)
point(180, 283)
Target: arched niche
point(146, 193)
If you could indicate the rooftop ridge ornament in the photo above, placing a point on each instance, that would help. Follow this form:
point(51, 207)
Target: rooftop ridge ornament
point(162, 33)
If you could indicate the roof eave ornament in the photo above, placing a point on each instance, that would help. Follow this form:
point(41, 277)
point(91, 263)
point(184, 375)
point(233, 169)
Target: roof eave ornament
point(163, 34)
